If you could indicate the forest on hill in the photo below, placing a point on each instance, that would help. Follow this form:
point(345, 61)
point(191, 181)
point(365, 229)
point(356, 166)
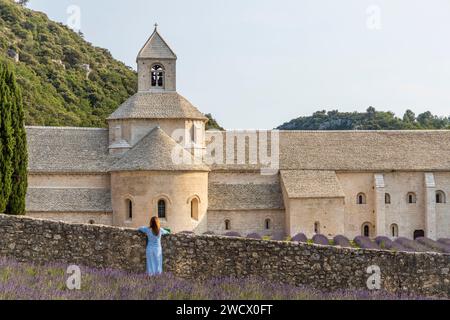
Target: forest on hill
point(65, 80)
point(369, 120)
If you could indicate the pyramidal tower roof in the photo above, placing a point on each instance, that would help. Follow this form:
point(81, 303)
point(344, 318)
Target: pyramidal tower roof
point(151, 105)
point(157, 151)
point(156, 48)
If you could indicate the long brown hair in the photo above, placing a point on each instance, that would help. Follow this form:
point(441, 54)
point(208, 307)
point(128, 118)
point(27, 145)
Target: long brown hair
point(155, 225)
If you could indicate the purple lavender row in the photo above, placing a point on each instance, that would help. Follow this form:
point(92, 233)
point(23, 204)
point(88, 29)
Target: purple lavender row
point(411, 244)
point(434, 245)
point(27, 281)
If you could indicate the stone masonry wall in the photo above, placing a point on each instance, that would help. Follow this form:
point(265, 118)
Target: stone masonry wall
point(201, 257)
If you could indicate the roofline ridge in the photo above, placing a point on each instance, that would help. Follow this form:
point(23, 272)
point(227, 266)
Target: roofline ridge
point(300, 169)
point(160, 170)
point(153, 91)
point(364, 131)
point(158, 118)
point(68, 188)
point(337, 131)
point(66, 128)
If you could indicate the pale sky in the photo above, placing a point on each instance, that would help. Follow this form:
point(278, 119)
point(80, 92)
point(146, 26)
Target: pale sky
point(260, 63)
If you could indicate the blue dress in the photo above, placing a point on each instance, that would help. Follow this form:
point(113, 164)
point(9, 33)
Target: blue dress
point(154, 251)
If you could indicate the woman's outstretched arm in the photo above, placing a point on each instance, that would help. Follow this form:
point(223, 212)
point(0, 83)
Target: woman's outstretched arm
point(143, 229)
point(164, 232)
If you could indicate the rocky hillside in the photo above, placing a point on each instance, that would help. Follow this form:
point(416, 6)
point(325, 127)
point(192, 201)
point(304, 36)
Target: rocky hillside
point(65, 80)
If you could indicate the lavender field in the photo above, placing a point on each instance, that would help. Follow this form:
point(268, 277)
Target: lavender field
point(24, 281)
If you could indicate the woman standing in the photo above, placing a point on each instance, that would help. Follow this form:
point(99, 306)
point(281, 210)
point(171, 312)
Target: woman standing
point(154, 250)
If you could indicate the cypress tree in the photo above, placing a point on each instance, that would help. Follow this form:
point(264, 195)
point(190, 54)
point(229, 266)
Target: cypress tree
point(16, 202)
point(6, 138)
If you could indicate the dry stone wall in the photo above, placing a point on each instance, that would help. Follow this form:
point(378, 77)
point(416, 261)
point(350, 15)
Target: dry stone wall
point(201, 257)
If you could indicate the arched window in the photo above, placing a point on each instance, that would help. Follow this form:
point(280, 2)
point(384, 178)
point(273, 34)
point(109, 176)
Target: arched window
point(317, 227)
point(129, 208)
point(157, 76)
point(365, 229)
point(268, 224)
point(440, 197)
point(361, 199)
point(161, 209)
point(227, 225)
point(194, 209)
point(394, 230)
point(412, 198)
point(387, 198)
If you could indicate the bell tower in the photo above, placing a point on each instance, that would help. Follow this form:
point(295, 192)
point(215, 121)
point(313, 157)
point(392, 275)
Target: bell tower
point(156, 104)
point(156, 65)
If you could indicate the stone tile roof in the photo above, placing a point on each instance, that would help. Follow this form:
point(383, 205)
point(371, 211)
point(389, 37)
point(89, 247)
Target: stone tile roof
point(67, 150)
point(157, 105)
point(244, 196)
point(85, 150)
point(376, 150)
point(154, 153)
point(311, 184)
point(156, 48)
point(68, 200)
point(358, 151)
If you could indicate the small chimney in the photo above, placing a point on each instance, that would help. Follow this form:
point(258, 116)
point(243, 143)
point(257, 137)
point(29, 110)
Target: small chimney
point(119, 146)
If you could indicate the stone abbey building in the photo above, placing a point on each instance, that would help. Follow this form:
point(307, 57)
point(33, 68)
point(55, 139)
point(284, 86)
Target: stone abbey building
point(393, 183)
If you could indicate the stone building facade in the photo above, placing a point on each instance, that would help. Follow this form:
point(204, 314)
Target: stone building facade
point(154, 159)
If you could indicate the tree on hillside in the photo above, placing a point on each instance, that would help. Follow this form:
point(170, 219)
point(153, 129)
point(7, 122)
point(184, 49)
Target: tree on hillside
point(6, 138)
point(409, 117)
point(13, 156)
point(212, 123)
point(16, 202)
point(22, 2)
